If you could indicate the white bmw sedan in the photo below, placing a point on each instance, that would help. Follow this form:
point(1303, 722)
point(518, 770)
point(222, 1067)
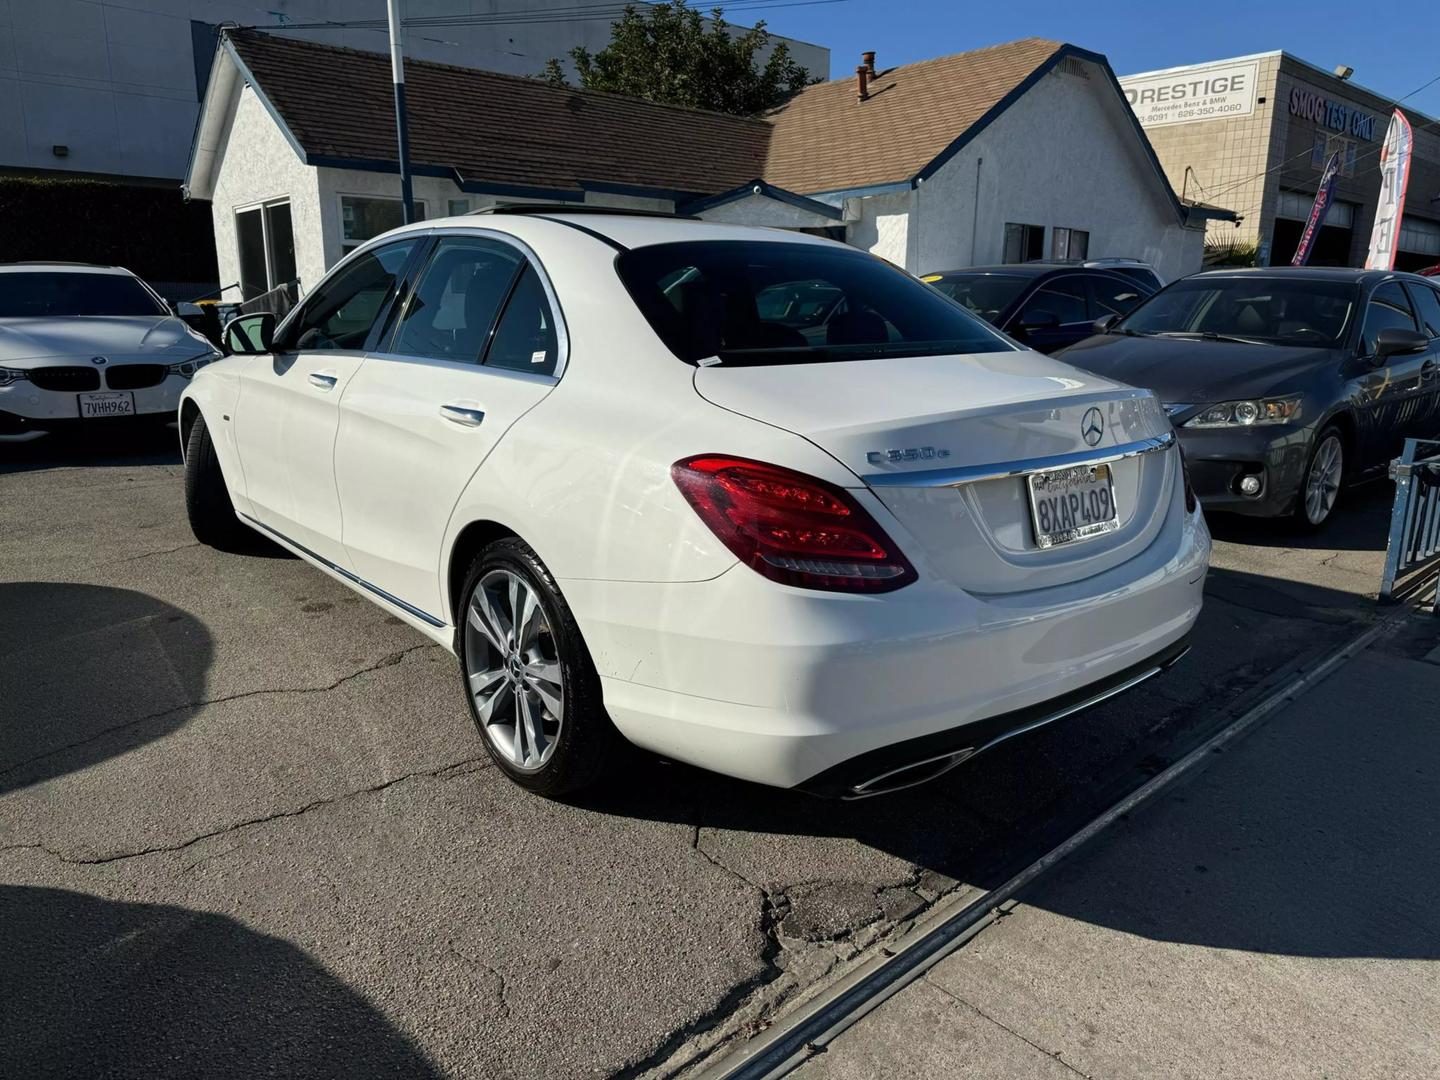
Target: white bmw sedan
point(83, 344)
point(746, 498)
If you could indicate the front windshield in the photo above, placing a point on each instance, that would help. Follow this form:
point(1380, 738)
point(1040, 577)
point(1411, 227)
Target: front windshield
point(771, 302)
point(26, 294)
point(987, 295)
point(1270, 310)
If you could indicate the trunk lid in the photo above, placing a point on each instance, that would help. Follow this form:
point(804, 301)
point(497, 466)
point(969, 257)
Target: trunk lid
point(900, 423)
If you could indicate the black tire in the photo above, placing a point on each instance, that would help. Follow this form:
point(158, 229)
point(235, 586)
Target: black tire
point(1304, 518)
point(207, 500)
point(587, 746)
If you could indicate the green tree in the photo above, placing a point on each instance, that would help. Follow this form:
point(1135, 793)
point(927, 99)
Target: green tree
point(665, 52)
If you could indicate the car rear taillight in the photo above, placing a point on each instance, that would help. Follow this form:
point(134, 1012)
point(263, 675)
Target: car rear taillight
point(1190, 501)
point(792, 528)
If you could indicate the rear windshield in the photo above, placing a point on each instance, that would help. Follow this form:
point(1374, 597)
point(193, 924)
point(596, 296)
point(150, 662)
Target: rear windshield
point(743, 302)
point(987, 295)
point(46, 293)
point(1272, 310)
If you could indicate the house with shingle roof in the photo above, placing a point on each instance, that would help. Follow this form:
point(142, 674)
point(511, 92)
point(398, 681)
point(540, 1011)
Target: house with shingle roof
point(1017, 151)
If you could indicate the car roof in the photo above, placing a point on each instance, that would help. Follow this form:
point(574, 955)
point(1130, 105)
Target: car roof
point(1308, 273)
point(69, 267)
point(1032, 269)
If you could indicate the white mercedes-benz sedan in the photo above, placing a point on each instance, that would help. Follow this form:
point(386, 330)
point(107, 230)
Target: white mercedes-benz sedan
point(747, 498)
point(83, 344)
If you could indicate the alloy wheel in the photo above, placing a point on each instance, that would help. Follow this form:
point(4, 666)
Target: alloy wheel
point(1322, 485)
point(513, 669)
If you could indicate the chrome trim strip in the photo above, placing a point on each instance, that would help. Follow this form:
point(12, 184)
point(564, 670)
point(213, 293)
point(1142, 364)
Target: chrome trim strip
point(409, 609)
point(973, 474)
point(866, 789)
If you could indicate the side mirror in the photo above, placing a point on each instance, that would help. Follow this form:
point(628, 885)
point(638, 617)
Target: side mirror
point(249, 335)
point(1039, 320)
point(1103, 324)
point(1393, 341)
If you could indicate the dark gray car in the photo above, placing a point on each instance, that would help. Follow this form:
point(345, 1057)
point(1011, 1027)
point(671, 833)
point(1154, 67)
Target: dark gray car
point(1283, 383)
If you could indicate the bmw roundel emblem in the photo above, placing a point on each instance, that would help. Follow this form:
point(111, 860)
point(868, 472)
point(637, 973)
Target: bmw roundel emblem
point(99, 359)
point(1092, 427)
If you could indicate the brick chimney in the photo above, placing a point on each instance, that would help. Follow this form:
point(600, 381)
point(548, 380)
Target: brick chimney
point(862, 90)
point(868, 59)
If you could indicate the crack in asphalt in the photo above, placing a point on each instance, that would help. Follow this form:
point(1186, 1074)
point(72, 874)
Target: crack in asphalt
point(1054, 1055)
point(142, 555)
point(452, 769)
point(389, 660)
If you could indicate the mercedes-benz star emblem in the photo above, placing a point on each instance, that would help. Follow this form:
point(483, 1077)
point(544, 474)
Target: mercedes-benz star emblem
point(99, 359)
point(1092, 427)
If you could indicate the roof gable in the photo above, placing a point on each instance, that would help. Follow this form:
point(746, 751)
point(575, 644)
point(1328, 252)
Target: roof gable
point(825, 140)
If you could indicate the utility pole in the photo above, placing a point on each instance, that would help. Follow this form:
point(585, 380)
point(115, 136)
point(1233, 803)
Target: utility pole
point(402, 134)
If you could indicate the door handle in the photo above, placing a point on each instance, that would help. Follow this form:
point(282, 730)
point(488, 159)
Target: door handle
point(457, 414)
point(321, 381)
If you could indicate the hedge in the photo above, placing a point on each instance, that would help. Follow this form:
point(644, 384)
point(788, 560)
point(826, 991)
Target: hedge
point(150, 230)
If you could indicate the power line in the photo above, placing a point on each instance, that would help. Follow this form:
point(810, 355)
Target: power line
point(522, 17)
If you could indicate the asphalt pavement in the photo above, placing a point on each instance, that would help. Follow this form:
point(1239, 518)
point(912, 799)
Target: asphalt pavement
point(247, 827)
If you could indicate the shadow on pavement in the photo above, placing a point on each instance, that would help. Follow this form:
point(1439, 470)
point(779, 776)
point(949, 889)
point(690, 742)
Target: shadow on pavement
point(1361, 523)
point(1000, 810)
point(125, 444)
point(84, 665)
point(95, 987)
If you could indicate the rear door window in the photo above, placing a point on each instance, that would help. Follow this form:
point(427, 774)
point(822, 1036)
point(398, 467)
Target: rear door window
point(1427, 306)
point(1114, 295)
point(525, 338)
point(450, 312)
point(1064, 298)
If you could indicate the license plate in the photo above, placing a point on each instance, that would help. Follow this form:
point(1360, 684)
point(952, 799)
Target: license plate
point(118, 403)
point(1070, 504)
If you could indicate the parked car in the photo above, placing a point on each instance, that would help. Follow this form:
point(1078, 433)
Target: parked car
point(1135, 269)
point(84, 345)
point(570, 448)
point(1430, 271)
point(1046, 306)
point(1283, 383)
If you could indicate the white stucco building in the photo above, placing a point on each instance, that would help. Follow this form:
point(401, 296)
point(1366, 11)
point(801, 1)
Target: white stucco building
point(1020, 151)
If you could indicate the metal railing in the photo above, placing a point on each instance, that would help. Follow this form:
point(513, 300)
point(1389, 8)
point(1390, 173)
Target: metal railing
point(1413, 552)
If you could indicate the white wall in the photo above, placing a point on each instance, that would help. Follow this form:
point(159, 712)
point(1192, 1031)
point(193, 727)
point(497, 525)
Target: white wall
point(115, 80)
point(1063, 155)
point(258, 165)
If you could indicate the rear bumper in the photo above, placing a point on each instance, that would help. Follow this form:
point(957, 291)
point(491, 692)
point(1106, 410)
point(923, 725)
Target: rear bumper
point(791, 687)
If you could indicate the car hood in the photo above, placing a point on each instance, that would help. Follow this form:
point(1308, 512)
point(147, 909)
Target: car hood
point(1193, 371)
point(82, 337)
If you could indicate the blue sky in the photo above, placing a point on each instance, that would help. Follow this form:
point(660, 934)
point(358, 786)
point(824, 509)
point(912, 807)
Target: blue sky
point(1393, 45)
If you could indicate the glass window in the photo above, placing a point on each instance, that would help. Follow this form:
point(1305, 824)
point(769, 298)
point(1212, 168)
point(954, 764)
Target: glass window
point(1069, 244)
point(250, 243)
point(1114, 295)
point(363, 217)
point(25, 293)
point(987, 295)
point(1024, 243)
point(280, 244)
point(702, 298)
point(449, 313)
point(798, 303)
point(525, 338)
point(457, 207)
point(1271, 310)
point(1389, 309)
point(1427, 306)
point(341, 311)
point(1063, 297)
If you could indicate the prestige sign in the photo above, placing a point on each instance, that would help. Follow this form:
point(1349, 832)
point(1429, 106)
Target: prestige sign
point(1309, 105)
point(1187, 95)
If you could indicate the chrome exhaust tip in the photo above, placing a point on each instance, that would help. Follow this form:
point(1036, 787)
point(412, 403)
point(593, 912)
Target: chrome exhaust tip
point(911, 775)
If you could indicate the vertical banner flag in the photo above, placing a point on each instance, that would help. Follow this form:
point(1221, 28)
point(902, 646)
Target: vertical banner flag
point(1394, 175)
point(1323, 198)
